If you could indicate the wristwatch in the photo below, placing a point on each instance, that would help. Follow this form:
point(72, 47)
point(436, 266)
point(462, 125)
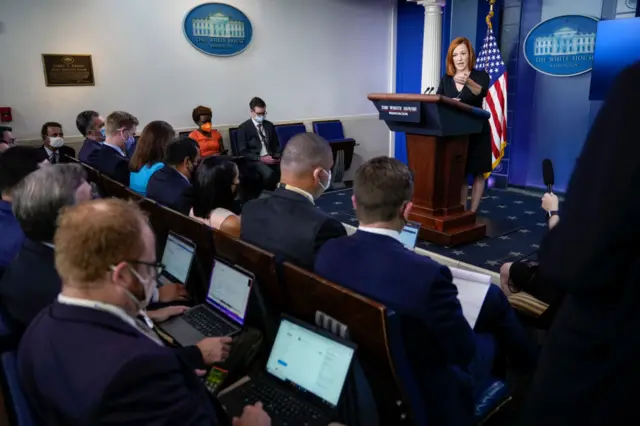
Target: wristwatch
point(553, 213)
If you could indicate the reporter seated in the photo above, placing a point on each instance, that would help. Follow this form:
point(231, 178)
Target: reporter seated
point(171, 185)
point(149, 154)
point(103, 363)
point(112, 159)
point(288, 223)
point(209, 140)
point(91, 125)
point(453, 364)
point(15, 164)
point(214, 186)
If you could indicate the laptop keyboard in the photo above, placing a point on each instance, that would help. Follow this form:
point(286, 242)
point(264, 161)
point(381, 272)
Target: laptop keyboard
point(208, 323)
point(284, 408)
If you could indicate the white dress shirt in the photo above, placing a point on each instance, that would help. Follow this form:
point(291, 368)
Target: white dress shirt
point(263, 151)
point(143, 327)
point(381, 231)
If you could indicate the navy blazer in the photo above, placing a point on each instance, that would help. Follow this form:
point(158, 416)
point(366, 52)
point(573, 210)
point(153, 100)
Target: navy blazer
point(29, 284)
point(439, 342)
point(170, 188)
point(288, 225)
point(248, 141)
point(63, 152)
point(12, 235)
point(110, 162)
point(99, 370)
point(88, 146)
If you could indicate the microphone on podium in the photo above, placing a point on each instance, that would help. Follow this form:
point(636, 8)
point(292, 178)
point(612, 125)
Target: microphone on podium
point(428, 91)
point(547, 174)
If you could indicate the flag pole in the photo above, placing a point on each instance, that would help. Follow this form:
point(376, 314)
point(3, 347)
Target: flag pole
point(490, 14)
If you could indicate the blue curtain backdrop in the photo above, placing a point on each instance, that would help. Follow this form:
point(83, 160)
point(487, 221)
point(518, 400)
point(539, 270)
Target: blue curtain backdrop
point(409, 37)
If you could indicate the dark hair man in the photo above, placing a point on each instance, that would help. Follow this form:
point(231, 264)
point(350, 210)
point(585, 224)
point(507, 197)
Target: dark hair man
point(288, 223)
point(171, 185)
point(115, 368)
point(92, 126)
point(258, 143)
point(450, 359)
point(15, 164)
point(53, 148)
point(112, 159)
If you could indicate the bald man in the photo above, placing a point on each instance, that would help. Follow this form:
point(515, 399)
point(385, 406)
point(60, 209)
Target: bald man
point(288, 224)
point(104, 364)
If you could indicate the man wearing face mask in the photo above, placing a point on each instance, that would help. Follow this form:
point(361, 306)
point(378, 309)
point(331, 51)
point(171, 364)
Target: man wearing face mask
point(91, 125)
point(99, 343)
point(288, 223)
point(449, 358)
point(53, 148)
point(258, 143)
point(171, 185)
point(112, 160)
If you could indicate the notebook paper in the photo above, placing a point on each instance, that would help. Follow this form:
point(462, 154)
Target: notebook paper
point(472, 290)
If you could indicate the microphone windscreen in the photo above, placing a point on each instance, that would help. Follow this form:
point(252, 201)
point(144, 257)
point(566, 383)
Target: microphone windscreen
point(547, 172)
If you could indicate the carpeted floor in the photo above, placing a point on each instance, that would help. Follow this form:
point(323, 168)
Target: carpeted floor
point(518, 221)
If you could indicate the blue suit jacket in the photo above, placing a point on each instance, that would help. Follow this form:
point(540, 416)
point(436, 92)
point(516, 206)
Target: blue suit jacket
point(98, 370)
point(169, 188)
point(439, 342)
point(87, 149)
point(12, 235)
point(110, 162)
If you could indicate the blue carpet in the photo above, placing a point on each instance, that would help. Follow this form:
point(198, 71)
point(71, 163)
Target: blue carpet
point(521, 211)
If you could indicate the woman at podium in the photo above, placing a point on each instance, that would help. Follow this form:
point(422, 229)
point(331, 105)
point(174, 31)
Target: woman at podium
point(463, 83)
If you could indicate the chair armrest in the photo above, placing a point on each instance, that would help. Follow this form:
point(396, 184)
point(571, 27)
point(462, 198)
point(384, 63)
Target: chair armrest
point(527, 304)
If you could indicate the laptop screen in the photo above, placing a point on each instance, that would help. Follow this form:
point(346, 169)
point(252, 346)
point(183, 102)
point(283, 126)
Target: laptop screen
point(310, 360)
point(229, 291)
point(177, 258)
point(409, 235)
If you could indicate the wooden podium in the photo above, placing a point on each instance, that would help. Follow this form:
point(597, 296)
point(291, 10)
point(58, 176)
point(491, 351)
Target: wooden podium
point(437, 130)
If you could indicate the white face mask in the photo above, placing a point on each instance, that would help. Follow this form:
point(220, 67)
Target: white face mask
point(148, 285)
point(56, 142)
point(328, 184)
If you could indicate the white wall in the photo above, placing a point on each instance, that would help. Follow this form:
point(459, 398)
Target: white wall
point(308, 59)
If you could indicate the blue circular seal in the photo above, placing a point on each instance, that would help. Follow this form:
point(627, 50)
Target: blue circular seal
point(562, 46)
point(218, 29)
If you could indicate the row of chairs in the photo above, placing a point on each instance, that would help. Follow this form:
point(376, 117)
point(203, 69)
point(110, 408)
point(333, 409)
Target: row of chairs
point(332, 130)
point(286, 289)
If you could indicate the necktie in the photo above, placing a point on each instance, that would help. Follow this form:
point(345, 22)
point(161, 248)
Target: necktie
point(54, 158)
point(263, 137)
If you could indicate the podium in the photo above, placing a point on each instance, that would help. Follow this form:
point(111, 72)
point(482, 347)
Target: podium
point(437, 130)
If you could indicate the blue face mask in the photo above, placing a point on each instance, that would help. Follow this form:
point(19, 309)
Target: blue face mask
point(129, 142)
point(259, 118)
point(103, 132)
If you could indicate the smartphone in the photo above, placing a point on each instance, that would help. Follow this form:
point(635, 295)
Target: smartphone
point(214, 378)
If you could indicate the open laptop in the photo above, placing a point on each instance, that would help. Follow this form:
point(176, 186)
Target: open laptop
point(177, 259)
point(223, 312)
point(409, 234)
point(304, 377)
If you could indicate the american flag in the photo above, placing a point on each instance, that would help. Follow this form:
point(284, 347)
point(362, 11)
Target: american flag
point(490, 60)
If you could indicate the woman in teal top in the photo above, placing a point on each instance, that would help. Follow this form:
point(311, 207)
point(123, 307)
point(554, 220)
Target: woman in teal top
point(149, 153)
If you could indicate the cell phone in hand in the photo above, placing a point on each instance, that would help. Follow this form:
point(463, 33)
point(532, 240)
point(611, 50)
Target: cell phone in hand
point(214, 378)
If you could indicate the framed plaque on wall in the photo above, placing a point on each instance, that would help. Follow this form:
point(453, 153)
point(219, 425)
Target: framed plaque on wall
point(68, 70)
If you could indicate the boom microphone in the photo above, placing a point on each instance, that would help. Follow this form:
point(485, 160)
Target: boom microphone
point(547, 174)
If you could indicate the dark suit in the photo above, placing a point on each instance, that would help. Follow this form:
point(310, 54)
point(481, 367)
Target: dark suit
point(88, 147)
point(249, 146)
point(109, 161)
point(30, 283)
point(288, 225)
point(63, 152)
point(451, 365)
point(169, 187)
point(99, 370)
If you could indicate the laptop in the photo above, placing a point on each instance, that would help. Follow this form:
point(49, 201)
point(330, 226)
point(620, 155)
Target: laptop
point(223, 312)
point(304, 377)
point(409, 234)
point(177, 259)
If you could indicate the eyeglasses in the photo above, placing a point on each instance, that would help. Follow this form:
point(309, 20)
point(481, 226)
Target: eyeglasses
point(157, 266)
